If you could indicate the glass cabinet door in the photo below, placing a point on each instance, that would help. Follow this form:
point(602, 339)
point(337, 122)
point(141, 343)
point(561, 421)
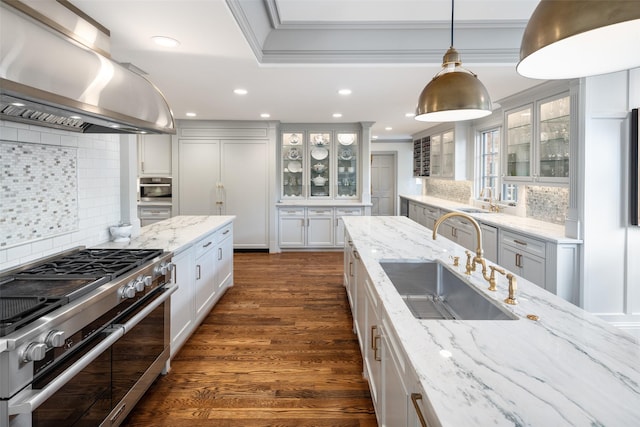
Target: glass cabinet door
point(519, 143)
point(347, 151)
point(448, 154)
point(320, 164)
point(554, 138)
point(436, 155)
point(293, 164)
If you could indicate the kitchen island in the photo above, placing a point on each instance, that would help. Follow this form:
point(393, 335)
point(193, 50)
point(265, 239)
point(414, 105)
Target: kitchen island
point(561, 366)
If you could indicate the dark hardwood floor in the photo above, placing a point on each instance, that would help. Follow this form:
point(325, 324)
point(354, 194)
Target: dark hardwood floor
point(277, 350)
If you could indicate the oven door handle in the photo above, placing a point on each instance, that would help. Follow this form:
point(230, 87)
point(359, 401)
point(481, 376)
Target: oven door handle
point(149, 308)
point(30, 399)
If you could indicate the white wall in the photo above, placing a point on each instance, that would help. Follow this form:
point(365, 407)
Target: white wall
point(610, 267)
point(406, 182)
point(98, 190)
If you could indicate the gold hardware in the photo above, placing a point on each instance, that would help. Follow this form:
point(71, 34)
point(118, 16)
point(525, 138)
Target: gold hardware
point(532, 317)
point(456, 260)
point(468, 267)
point(492, 278)
point(513, 285)
point(375, 350)
point(520, 242)
point(478, 259)
point(414, 398)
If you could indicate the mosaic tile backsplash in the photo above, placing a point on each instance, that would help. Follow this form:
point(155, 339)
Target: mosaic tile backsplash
point(456, 191)
point(548, 204)
point(38, 190)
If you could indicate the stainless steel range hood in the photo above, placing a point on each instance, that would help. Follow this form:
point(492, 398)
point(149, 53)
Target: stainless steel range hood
point(49, 79)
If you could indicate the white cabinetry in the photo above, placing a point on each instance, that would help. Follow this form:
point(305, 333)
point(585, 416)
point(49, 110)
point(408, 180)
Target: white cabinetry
point(524, 256)
point(460, 231)
point(203, 272)
point(313, 227)
point(370, 328)
point(154, 155)
point(227, 177)
point(182, 300)
point(395, 396)
point(490, 242)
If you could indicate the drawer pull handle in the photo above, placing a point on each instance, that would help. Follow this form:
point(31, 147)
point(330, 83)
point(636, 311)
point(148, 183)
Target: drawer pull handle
point(207, 245)
point(414, 398)
point(520, 243)
point(373, 337)
point(198, 277)
point(226, 231)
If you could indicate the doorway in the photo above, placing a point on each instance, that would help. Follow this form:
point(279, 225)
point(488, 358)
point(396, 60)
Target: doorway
point(383, 183)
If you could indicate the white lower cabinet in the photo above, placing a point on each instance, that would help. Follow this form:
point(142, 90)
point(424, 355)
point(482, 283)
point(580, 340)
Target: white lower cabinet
point(490, 242)
point(524, 256)
point(205, 276)
point(395, 397)
point(312, 227)
point(182, 300)
point(371, 336)
point(203, 272)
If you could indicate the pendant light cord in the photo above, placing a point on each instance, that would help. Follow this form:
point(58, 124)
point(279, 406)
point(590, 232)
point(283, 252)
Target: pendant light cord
point(452, 23)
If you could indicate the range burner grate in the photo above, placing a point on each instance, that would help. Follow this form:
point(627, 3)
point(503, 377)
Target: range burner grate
point(17, 311)
point(94, 263)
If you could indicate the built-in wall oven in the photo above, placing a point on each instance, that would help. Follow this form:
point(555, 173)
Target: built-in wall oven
point(155, 199)
point(83, 349)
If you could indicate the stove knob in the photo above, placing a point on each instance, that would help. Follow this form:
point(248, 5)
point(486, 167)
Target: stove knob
point(139, 284)
point(148, 281)
point(55, 339)
point(162, 269)
point(128, 291)
point(34, 352)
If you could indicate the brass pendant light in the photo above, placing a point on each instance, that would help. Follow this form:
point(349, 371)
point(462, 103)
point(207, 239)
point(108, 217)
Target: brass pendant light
point(577, 38)
point(454, 94)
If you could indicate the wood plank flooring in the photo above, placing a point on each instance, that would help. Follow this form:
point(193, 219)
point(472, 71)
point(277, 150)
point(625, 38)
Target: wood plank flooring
point(277, 350)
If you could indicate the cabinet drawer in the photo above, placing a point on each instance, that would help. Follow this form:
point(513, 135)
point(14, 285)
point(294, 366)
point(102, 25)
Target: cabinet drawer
point(524, 243)
point(348, 212)
point(223, 233)
point(431, 211)
point(292, 212)
point(205, 244)
point(320, 211)
point(155, 212)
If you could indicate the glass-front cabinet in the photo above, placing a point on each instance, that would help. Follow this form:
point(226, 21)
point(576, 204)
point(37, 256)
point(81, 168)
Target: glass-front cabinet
point(538, 141)
point(320, 165)
point(519, 142)
point(554, 138)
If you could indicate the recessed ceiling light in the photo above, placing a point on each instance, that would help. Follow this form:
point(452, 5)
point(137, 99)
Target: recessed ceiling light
point(190, 114)
point(240, 91)
point(165, 41)
point(388, 128)
point(410, 115)
point(374, 137)
point(337, 115)
point(265, 115)
point(344, 92)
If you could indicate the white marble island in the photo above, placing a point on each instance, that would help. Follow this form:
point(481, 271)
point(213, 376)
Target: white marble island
point(568, 368)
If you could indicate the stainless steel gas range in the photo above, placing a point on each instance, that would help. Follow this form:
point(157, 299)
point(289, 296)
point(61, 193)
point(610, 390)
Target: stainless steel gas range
point(83, 335)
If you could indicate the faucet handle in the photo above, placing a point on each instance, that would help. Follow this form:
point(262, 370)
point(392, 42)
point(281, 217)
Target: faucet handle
point(492, 278)
point(456, 260)
point(513, 285)
point(469, 267)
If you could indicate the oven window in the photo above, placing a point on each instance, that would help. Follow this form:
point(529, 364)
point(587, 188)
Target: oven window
point(136, 351)
point(84, 401)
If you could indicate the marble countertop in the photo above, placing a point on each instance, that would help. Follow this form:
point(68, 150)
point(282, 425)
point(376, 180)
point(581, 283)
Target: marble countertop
point(568, 368)
point(544, 230)
point(174, 234)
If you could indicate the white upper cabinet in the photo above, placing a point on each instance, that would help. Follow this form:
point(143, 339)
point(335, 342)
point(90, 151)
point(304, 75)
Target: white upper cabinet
point(154, 155)
point(537, 141)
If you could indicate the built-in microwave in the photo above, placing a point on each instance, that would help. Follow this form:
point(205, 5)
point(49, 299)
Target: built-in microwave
point(155, 189)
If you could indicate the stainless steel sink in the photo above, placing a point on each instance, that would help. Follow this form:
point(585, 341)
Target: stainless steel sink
point(432, 291)
point(473, 210)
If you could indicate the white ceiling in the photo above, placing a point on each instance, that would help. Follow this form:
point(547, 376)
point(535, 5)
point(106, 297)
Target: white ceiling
point(293, 55)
